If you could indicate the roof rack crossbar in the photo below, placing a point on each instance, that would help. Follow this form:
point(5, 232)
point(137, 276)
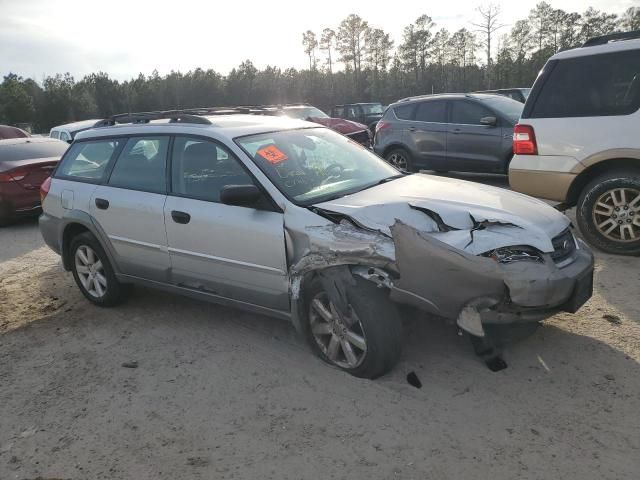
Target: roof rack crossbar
point(612, 37)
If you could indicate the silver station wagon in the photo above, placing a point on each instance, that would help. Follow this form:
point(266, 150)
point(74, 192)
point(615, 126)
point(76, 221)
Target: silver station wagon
point(289, 219)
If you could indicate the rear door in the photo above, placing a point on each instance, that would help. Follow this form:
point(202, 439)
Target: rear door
point(472, 146)
point(427, 135)
point(130, 207)
point(230, 251)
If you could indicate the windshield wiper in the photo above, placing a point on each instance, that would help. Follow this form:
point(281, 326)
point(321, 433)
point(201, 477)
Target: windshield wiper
point(388, 179)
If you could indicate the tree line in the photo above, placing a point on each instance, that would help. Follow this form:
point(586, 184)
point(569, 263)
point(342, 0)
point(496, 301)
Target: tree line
point(353, 62)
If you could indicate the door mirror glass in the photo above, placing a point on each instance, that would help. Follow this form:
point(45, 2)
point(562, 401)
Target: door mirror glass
point(491, 121)
point(240, 195)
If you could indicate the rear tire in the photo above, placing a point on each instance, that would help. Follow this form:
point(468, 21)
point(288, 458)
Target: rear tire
point(94, 274)
point(372, 329)
point(608, 212)
point(401, 159)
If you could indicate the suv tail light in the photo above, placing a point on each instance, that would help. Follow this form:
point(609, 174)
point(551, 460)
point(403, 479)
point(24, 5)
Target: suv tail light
point(381, 125)
point(524, 140)
point(44, 189)
point(14, 175)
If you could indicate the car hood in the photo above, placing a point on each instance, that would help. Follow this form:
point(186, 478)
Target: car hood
point(467, 215)
point(340, 125)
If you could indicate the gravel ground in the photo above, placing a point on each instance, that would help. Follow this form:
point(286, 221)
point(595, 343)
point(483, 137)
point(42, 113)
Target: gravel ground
point(219, 393)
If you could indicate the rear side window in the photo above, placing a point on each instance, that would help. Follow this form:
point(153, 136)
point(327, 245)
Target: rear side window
point(200, 169)
point(405, 112)
point(468, 113)
point(64, 136)
point(432, 111)
point(54, 134)
point(142, 165)
point(88, 160)
point(597, 85)
point(338, 112)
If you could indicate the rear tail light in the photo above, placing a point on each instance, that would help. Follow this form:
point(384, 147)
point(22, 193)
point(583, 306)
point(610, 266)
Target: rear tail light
point(381, 125)
point(44, 189)
point(524, 140)
point(13, 175)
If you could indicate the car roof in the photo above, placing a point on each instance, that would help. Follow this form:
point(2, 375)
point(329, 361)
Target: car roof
point(221, 126)
point(618, 46)
point(17, 141)
point(478, 96)
point(75, 126)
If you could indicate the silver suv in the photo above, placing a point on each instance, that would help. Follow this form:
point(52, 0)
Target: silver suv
point(293, 220)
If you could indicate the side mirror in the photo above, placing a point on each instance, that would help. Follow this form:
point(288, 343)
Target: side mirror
point(491, 121)
point(240, 195)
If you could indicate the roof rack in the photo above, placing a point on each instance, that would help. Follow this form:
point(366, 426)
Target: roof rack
point(612, 37)
point(193, 115)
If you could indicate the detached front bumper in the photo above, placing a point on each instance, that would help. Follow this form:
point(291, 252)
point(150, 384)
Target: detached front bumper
point(564, 289)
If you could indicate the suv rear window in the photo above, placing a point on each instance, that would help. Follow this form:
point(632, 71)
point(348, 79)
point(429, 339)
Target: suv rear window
point(595, 85)
point(88, 160)
point(405, 112)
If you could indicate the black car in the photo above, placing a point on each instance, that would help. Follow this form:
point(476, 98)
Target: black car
point(517, 94)
point(365, 113)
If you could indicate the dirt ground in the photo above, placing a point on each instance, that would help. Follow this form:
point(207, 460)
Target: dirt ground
point(219, 393)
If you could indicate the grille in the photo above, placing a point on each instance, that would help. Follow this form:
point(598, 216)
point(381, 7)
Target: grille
point(563, 246)
point(361, 137)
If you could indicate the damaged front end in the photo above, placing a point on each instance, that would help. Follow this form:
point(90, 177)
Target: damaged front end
point(475, 271)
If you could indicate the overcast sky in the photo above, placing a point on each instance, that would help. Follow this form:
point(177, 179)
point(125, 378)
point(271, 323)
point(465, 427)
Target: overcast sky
point(125, 37)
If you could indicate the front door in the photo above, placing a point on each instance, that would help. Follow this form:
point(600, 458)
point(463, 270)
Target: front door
point(472, 146)
point(129, 208)
point(230, 251)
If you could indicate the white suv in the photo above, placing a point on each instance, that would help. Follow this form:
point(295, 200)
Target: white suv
point(577, 141)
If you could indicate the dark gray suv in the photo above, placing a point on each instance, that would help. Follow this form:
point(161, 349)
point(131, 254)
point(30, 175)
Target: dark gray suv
point(459, 132)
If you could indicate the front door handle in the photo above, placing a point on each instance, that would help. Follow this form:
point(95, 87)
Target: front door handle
point(456, 131)
point(180, 217)
point(102, 204)
point(412, 129)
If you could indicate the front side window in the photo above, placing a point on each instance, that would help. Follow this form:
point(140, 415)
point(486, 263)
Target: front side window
point(595, 85)
point(432, 111)
point(316, 164)
point(142, 165)
point(200, 169)
point(468, 113)
point(373, 108)
point(88, 160)
point(54, 134)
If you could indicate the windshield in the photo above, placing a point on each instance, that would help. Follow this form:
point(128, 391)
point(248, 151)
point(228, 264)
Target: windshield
point(32, 150)
point(302, 113)
point(373, 108)
point(511, 109)
point(316, 164)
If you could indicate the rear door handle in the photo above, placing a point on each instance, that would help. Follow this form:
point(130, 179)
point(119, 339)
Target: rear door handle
point(412, 129)
point(456, 131)
point(180, 217)
point(102, 204)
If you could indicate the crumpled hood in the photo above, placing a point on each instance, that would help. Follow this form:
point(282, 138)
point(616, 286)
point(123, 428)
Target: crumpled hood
point(340, 125)
point(467, 215)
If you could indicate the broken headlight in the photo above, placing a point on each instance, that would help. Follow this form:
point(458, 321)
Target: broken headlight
point(514, 254)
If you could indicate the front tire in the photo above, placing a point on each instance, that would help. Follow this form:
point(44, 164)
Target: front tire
point(366, 341)
point(401, 159)
point(608, 212)
point(93, 273)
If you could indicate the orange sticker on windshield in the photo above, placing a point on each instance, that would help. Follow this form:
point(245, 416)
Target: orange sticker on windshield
point(272, 154)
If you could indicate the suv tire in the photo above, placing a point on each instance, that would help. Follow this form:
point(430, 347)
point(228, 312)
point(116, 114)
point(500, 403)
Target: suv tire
point(401, 159)
point(602, 206)
point(372, 332)
point(93, 273)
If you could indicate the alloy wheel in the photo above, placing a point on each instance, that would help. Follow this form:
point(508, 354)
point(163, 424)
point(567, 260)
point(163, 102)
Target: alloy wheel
point(90, 271)
point(341, 338)
point(616, 214)
point(399, 161)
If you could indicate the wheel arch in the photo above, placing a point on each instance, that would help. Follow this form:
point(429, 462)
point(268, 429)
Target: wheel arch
point(393, 146)
point(600, 168)
point(76, 224)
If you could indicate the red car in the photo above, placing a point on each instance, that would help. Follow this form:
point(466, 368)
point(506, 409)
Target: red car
point(356, 131)
point(7, 131)
point(24, 164)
